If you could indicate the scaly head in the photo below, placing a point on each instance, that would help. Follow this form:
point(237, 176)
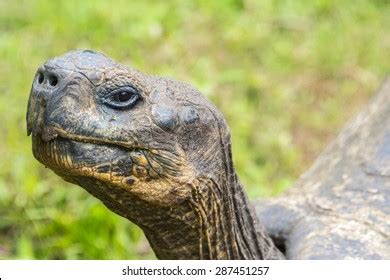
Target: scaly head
point(92, 118)
point(154, 150)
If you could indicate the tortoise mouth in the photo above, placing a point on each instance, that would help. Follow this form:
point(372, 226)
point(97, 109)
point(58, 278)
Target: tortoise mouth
point(64, 153)
point(54, 132)
point(54, 153)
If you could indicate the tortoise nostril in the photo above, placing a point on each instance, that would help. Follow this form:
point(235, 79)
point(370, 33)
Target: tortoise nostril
point(53, 81)
point(40, 78)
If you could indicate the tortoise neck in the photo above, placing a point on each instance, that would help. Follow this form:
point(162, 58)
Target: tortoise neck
point(225, 228)
point(231, 229)
point(215, 222)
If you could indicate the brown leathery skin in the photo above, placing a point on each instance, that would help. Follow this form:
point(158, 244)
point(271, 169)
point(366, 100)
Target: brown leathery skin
point(152, 149)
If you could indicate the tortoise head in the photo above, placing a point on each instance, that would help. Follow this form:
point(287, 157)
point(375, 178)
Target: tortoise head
point(152, 149)
point(108, 127)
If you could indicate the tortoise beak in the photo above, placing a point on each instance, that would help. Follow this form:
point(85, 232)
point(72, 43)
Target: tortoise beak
point(46, 84)
point(35, 112)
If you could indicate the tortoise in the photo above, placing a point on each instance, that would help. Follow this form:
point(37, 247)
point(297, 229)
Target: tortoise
point(155, 151)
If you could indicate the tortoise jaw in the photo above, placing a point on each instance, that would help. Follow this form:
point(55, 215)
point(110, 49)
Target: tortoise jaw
point(52, 132)
point(52, 154)
point(61, 150)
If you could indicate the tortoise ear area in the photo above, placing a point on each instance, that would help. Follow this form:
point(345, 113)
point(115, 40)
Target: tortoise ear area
point(165, 116)
point(170, 116)
point(188, 115)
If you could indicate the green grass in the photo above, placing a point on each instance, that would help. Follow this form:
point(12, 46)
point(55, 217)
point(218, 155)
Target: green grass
point(286, 74)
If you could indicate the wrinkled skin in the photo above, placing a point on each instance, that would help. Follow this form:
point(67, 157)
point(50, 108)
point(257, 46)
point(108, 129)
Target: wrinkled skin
point(156, 152)
point(152, 149)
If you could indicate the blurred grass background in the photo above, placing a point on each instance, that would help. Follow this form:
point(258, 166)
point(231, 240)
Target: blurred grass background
point(286, 74)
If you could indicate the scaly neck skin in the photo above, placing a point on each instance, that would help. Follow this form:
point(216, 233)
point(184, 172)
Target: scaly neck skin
point(212, 225)
point(216, 222)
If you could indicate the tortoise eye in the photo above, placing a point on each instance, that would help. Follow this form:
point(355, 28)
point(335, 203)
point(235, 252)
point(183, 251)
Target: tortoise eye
point(122, 98)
